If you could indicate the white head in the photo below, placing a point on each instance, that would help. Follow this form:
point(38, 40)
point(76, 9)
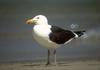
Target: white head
point(38, 20)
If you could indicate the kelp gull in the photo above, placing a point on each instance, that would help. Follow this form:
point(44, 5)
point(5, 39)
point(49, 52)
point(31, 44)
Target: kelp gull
point(51, 36)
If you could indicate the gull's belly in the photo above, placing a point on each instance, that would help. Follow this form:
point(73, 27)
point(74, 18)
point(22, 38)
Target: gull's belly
point(44, 41)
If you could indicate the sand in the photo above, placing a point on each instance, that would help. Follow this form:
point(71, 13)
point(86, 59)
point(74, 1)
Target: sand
point(65, 65)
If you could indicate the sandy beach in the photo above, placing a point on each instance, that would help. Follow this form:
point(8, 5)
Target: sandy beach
point(66, 65)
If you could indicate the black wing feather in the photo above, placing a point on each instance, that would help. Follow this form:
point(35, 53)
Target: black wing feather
point(59, 35)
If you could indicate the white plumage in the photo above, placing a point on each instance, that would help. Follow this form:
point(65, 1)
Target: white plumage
point(51, 36)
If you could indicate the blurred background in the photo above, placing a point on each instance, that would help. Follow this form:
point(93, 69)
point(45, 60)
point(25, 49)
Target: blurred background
point(17, 43)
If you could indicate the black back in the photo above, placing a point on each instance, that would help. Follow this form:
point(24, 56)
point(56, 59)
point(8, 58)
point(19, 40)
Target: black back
point(59, 35)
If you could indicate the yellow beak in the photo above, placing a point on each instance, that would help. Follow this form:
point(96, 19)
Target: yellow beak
point(29, 21)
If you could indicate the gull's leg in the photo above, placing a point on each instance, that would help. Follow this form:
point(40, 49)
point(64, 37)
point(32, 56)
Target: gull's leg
point(55, 62)
point(48, 58)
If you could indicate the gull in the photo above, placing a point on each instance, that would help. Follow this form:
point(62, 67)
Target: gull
point(51, 36)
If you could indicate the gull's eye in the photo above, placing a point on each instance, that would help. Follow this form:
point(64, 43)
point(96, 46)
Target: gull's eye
point(37, 17)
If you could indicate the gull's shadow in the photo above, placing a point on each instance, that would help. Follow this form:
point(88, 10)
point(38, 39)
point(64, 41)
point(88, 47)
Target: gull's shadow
point(32, 64)
point(58, 64)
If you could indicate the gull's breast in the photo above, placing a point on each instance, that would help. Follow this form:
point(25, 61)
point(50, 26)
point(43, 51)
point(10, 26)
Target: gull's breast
point(41, 35)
